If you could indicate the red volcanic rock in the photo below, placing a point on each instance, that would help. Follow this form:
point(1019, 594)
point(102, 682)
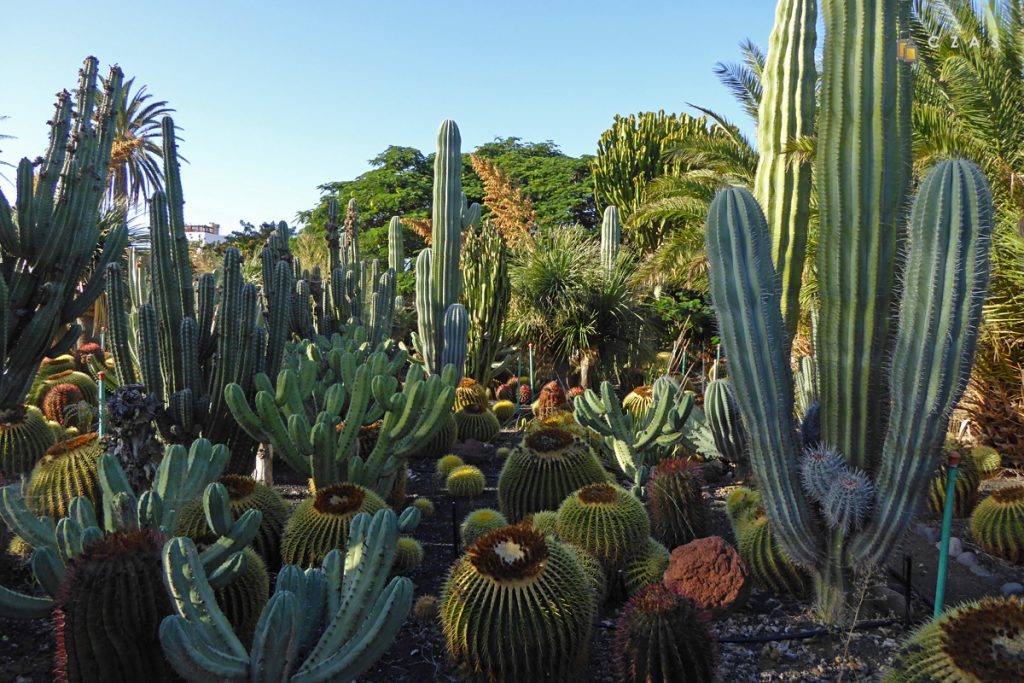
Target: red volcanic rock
point(710, 572)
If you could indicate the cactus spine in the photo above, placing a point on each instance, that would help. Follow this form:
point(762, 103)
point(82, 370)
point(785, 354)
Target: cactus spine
point(611, 237)
point(441, 319)
point(945, 280)
point(787, 113)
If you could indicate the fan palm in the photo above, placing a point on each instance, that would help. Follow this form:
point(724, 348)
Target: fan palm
point(969, 102)
point(136, 169)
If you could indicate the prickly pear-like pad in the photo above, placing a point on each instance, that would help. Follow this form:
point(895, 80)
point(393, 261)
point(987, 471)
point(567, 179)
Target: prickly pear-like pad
point(512, 553)
point(710, 572)
point(978, 642)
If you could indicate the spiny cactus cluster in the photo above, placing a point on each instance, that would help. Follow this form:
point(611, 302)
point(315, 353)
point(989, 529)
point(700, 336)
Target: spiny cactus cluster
point(547, 466)
point(605, 520)
point(661, 638)
point(321, 524)
point(976, 641)
point(66, 471)
point(551, 399)
point(998, 523)
point(676, 503)
point(518, 607)
point(477, 422)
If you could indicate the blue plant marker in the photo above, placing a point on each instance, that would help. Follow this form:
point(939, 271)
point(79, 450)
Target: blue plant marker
point(947, 523)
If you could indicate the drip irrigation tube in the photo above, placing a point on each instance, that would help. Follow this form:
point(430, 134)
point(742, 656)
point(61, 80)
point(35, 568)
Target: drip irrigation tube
point(813, 633)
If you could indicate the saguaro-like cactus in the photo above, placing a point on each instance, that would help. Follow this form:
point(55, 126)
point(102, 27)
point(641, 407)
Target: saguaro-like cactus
point(340, 619)
point(441, 319)
point(787, 111)
point(192, 344)
point(945, 282)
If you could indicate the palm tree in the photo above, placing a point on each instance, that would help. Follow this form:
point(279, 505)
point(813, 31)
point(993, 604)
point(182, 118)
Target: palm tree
point(136, 169)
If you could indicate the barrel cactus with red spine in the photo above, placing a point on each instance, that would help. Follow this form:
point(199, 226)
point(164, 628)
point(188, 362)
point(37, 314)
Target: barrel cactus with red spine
point(676, 503)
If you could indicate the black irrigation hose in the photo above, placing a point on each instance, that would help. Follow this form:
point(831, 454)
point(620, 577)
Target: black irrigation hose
point(813, 633)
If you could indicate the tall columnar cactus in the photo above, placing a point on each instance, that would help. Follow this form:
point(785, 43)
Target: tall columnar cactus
point(611, 237)
point(190, 344)
point(638, 445)
point(327, 624)
point(441, 319)
point(724, 420)
point(308, 435)
point(48, 243)
point(945, 280)
point(396, 245)
point(786, 113)
point(486, 294)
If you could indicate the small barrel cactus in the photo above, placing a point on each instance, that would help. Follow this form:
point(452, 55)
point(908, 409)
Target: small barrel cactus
point(605, 520)
point(24, 437)
point(479, 522)
point(446, 464)
point(58, 399)
point(965, 489)
point(320, 524)
point(975, 642)
point(477, 422)
point(424, 505)
point(408, 555)
point(767, 565)
point(743, 504)
point(543, 470)
point(849, 500)
point(638, 402)
point(244, 494)
point(469, 393)
point(986, 460)
point(442, 440)
point(661, 638)
point(85, 384)
point(551, 400)
point(118, 577)
point(243, 599)
point(504, 410)
point(647, 567)
point(82, 353)
point(51, 366)
point(545, 521)
point(426, 609)
point(819, 467)
point(518, 607)
point(509, 391)
point(998, 523)
point(675, 502)
point(466, 481)
point(66, 471)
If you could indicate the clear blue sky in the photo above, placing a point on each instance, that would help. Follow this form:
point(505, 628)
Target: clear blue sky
point(275, 98)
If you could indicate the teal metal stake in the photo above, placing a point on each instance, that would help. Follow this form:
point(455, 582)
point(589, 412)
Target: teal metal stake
point(519, 393)
point(531, 372)
point(102, 386)
point(947, 523)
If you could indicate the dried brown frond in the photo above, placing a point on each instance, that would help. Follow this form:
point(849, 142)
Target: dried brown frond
point(421, 226)
point(995, 407)
point(512, 212)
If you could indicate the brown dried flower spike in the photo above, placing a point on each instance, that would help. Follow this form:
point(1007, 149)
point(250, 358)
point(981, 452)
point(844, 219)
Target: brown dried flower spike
point(509, 554)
